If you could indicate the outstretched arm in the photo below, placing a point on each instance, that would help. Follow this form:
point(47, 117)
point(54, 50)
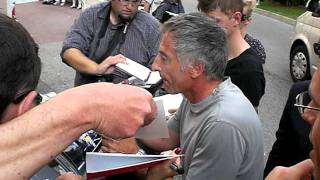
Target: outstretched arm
point(35, 138)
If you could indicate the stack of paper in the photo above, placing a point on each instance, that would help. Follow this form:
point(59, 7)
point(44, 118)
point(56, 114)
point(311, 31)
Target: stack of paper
point(139, 71)
point(107, 164)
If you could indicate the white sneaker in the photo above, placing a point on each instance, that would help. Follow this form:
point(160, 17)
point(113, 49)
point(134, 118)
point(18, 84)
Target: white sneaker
point(73, 6)
point(61, 4)
point(56, 3)
point(79, 7)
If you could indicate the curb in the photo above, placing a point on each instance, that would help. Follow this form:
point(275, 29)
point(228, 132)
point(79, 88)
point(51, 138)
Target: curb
point(275, 16)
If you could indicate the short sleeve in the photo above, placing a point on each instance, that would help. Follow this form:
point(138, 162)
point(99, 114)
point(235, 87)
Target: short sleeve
point(81, 33)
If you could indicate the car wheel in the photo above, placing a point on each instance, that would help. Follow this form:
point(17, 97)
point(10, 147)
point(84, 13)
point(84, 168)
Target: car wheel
point(299, 63)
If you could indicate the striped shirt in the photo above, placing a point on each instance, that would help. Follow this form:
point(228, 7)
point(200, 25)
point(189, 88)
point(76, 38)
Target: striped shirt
point(141, 42)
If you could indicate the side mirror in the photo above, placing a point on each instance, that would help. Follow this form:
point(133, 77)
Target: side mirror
point(314, 7)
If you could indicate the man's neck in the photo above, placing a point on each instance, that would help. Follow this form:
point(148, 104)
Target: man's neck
point(201, 89)
point(236, 45)
point(114, 18)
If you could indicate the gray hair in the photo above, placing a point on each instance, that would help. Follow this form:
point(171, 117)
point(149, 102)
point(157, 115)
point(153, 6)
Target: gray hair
point(198, 39)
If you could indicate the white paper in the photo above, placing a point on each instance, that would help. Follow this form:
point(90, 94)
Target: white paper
point(170, 101)
point(139, 71)
point(96, 162)
point(157, 128)
point(135, 69)
point(154, 78)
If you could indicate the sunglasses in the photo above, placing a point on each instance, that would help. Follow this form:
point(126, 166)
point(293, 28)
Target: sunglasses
point(302, 101)
point(132, 2)
point(22, 94)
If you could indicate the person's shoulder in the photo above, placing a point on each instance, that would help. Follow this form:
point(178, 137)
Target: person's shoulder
point(96, 7)
point(250, 57)
point(231, 94)
point(147, 19)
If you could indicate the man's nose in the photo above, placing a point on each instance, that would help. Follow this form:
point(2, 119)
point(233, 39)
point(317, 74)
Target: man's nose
point(310, 115)
point(155, 64)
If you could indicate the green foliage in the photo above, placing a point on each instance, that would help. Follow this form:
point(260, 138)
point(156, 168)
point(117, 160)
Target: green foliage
point(289, 11)
point(290, 2)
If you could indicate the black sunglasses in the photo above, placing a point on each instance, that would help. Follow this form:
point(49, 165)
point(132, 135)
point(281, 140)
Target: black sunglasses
point(302, 101)
point(22, 94)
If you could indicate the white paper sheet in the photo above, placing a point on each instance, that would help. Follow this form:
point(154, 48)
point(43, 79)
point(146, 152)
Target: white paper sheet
point(170, 101)
point(158, 127)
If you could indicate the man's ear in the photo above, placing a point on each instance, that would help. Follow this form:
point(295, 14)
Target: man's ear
point(27, 103)
point(237, 17)
point(196, 70)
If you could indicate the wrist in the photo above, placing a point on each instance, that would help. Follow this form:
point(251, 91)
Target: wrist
point(96, 70)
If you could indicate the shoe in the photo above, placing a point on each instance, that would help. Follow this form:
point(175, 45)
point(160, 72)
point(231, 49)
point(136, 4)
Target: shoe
point(73, 6)
point(62, 4)
point(56, 3)
point(79, 7)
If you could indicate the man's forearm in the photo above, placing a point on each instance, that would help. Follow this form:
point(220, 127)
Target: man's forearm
point(162, 144)
point(34, 139)
point(76, 59)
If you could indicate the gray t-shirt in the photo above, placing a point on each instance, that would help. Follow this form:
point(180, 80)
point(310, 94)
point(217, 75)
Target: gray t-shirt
point(221, 136)
point(141, 43)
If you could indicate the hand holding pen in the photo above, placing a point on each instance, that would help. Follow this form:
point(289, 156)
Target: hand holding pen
point(176, 165)
point(168, 168)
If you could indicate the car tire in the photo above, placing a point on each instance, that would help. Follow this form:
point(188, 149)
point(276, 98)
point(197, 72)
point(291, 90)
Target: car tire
point(299, 63)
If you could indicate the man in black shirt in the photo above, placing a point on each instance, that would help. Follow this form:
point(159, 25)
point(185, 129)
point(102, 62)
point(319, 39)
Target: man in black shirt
point(293, 133)
point(244, 66)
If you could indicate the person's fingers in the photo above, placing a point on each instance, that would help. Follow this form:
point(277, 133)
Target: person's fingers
point(108, 64)
point(107, 140)
point(107, 150)
point(70, 176)
point(303, 169)
point(152, 115)
point(116, 59)
point(127, 109)
point(300, 171)
point(109, 70)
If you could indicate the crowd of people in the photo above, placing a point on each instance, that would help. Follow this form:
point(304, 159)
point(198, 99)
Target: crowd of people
point(206, 56)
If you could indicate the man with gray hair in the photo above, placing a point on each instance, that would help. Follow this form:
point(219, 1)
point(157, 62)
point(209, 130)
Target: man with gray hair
point(216, 127)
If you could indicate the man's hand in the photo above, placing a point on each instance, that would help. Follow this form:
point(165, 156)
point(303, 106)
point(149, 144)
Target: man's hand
point(123, 110)
point(163, 171)
point(113, 110)
point(107, 65)
point(300, 171)
point(125, 146)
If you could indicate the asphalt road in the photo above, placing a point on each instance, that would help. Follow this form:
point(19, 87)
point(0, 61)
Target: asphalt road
point(48, 25)
point(275, 36)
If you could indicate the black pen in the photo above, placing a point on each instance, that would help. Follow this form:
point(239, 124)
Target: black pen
point(176, 168)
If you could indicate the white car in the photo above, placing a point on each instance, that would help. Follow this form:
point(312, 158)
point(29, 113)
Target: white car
point(303, 57)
